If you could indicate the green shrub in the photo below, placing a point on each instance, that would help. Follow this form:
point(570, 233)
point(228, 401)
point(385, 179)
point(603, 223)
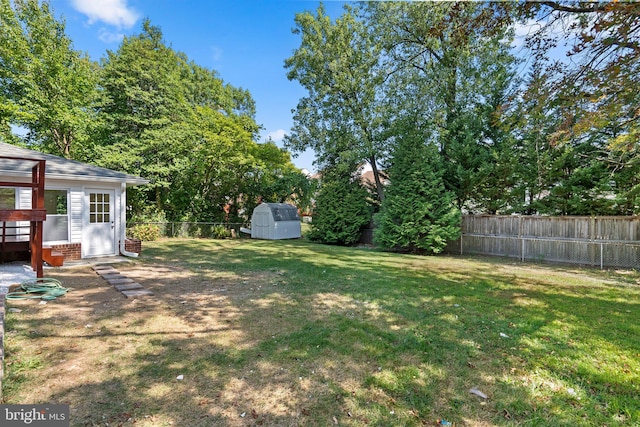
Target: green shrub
point(220, 232)
point(341, 213)
point(144, 232)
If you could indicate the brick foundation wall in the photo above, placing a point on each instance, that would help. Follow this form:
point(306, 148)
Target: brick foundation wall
point(133, 245)
point(71, 251)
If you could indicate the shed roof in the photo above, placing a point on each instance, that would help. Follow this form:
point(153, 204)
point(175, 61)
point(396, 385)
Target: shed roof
point(59, 168)
point(283, 211)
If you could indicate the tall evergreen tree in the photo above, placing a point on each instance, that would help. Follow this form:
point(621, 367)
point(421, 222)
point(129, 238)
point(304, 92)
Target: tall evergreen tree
point(341, 207)
point(418, 214)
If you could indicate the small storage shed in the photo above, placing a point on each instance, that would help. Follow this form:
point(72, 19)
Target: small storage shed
point(275, 221)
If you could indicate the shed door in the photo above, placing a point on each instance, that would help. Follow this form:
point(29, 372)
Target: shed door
point(99, 231)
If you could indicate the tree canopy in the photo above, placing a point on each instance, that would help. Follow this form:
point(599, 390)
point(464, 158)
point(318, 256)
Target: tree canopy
point(46, 86)
point(524, 130)
point(337, 63)
point(431, 96)
point(145, 109)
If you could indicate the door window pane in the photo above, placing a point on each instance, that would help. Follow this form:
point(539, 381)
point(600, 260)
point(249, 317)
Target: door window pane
point(99, 208)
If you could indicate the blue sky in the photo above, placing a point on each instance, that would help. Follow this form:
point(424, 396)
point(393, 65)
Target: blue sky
point(246, 41)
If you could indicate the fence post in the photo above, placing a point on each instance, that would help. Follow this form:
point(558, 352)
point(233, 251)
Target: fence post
point(520, 218)
point(592, 237)
point(462, 223)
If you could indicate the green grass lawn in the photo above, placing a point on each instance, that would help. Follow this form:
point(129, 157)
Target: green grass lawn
point(326, 335)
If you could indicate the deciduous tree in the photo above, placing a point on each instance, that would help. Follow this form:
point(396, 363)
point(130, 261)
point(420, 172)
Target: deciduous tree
point(337, 64)
point(46, 87)
point(595, 94)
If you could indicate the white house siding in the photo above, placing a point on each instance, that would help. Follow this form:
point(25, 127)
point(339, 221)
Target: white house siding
point(23, 199)
point(76, 209)
point(120, 214)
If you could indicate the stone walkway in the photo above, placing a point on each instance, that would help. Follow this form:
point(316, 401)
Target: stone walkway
point(128, 287)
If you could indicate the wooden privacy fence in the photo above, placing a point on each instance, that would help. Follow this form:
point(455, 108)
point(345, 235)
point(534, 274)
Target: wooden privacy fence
point(596, 241)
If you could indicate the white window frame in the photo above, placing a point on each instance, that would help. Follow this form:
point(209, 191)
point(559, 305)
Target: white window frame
point(67, 215)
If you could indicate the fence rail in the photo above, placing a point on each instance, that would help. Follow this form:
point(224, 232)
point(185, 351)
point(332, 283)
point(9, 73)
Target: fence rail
point(595, 241)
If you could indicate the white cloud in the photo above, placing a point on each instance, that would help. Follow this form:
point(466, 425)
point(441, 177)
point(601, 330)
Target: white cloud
point(277, 135)
point(112, 12)
point(108, 37)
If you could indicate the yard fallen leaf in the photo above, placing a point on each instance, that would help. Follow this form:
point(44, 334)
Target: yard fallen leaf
point(335, 420)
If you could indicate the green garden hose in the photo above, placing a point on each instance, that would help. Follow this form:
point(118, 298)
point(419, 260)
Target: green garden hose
point(43, 288)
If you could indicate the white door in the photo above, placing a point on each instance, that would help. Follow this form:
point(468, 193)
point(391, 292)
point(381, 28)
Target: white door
point(99, 230)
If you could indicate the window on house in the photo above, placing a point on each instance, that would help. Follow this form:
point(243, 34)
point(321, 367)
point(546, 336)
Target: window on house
point(8, 201)
point(7, 198)
point(56, 227)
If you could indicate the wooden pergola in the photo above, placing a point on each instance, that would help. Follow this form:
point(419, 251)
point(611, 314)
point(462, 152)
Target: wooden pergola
point(36, 215)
